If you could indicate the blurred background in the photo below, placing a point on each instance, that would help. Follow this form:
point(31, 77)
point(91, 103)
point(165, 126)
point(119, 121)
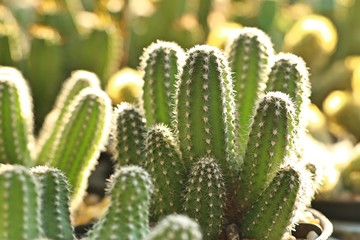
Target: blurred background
point(48, 39)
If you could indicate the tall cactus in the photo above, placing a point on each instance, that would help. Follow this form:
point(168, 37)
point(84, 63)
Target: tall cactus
point(205, 108)
point(20, 216)
point(55, 212)
point(249, 52)
point(164, 163)
point(275, 212)
point(176, 227)
point(16, 118)
point(160, 64)
point(270, 144)
point(128, 214)
point(205, 197)
point(128, 133)
point(78, 81)
point(82, 136)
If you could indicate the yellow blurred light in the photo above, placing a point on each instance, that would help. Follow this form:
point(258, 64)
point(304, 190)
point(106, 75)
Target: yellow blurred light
point(334, 102)
point(316, 118)
point(221, 33)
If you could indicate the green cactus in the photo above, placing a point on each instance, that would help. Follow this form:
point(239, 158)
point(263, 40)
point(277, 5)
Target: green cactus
point(78, 81)
point(205, 196)
point(175, 227)
point(82, 136)
point(128, 215)
point(250, 52)
point(55, 212)
point(20, 216)
point(160, 64)
point(128, 134)
point(205, 108)
point(275, 212)
point(270, 144)
point(16, 118)
point(164, 163)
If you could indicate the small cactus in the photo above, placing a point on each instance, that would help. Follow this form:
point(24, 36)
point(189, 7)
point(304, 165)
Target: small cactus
point(205, 197)
point(128, 133)
point(250, 53)
point(128, 214)
point(164, 164)
point(160, 65)
point(175, 227)
point(16, 118)
point(55, 212)
point(20, 216)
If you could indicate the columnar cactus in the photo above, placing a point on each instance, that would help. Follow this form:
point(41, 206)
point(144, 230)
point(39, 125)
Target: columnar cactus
point(78, 81)
point(205, 196)
point(128, 214)
point(55, 214)
point(20, 216)
point(249, 52)
point(128, 134)
point(16, 118)
point(164, 163)
point(205, 108)
point(160, 64)
point(270, 145)
point(176, 227)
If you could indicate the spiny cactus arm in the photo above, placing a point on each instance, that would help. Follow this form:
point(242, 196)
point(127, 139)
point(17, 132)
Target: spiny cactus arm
point(128, 215)
point(163, 162)
point(78, 81)
point(276, 211)
point(20, 216)
point(128, 134)
point(16, 118)
point(270, 145)
point(205, 197)
point(290, 75)
point(55, 211)
point(205, 108)
point(160, 64)
point(82, 136)
point(249, 51)
point(175, 227)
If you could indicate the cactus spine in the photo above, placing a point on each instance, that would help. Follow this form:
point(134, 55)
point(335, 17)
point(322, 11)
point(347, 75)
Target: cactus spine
point(55, 212)
point(81, 138)
point(163, 162)
point(128, 133)
point(270, 144)
point(16, 118)
point(249, 52)
point(205, 196)
point(78, 81)
point(275, 212)
point(20, 216)
point(176, 227)
point(128, 214)
point(160, 65)
point(205, 108)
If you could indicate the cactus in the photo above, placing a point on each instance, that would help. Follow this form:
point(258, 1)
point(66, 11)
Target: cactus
point(270, 144)
point(20, 216)
point(249, 52)
point(78, 81)
point(175, 227)
point(205, 196)
point(128, 133)
point(82, 136)
point(160, 64)
point(128, 215)
point(164, 163)
point(16, 118)
point(205, 108)
point(275, 212)
point(55, 212)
